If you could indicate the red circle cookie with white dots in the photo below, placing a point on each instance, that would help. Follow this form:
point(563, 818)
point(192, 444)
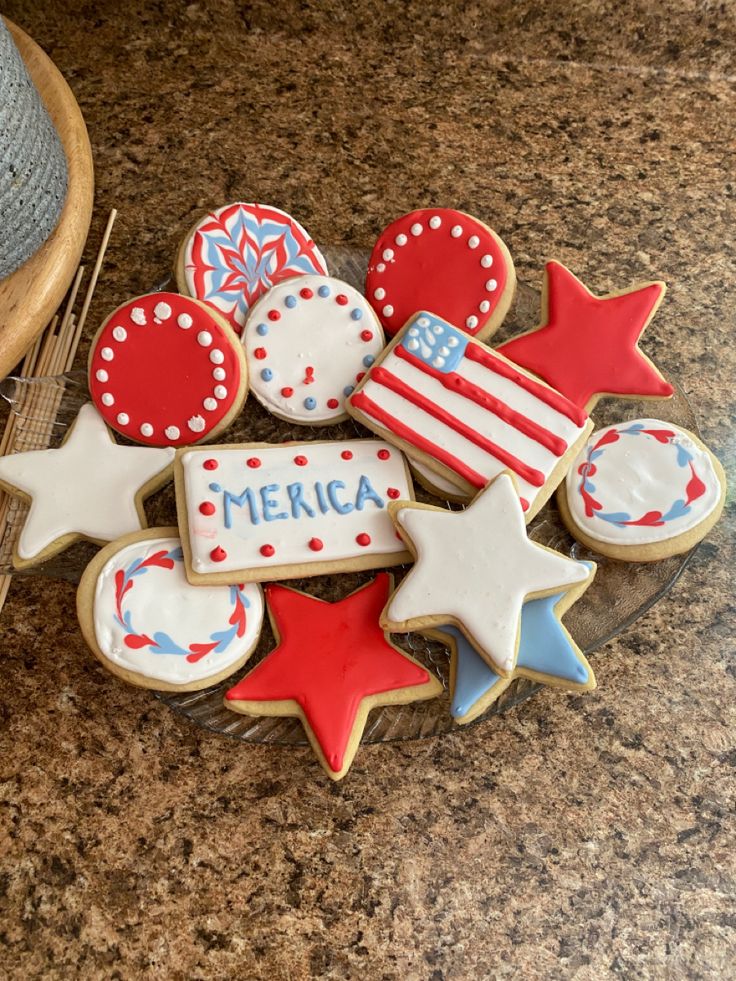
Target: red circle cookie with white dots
point(444, 261)
point(166, 370)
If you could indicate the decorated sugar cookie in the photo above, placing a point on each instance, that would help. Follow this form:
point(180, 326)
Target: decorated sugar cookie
point(588, 346)
point(436, 484)
point(642, 490)
point(466, 412)
point(236, 253)
point(147, 625)
point(547, 654)
point(89, 487)
point(256, 512)
point(166, 370)
point(331, 666)
point(445, 261)
point(308, 342)
point(475, 569)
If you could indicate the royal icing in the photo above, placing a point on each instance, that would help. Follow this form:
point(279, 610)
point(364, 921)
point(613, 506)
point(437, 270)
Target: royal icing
point(546, 652)
point(149, 620)
point(439, 393)
point(475, 568)
point(330, 659)
point(636, 483)
point(257, 510)
point(240, 251)
point(308, 342)
point(440, 260)
point(437, 484)
point(88, 486)
point(588, 344)
point(175, 375)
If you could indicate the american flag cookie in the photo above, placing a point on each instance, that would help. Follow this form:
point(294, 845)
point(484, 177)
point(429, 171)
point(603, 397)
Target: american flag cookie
point(308, 342)
point(236, 253)
point(443, 260)
point(468, 413)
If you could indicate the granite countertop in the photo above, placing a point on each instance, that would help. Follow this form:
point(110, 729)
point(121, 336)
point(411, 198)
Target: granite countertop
point(576, 836)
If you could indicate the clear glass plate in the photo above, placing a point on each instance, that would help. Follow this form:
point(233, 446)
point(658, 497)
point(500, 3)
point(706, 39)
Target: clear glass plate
point(620, 593)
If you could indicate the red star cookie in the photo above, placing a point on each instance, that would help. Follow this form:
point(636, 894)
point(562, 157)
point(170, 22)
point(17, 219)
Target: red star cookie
point(331, 666)
point(587, 346)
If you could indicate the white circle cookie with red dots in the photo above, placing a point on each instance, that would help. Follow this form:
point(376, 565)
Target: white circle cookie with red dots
point(308, 342)
point(443, 261)
point(166, 370)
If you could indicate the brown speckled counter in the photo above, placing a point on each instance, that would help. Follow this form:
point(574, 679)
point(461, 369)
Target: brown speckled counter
point(583, 837)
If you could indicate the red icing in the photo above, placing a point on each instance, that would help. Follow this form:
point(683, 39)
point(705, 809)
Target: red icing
point(306, 293)
point(695, 487)
point(207, 507)
point(267, 551)
point(363, 538)
point(454, 382)
point(260, 353)
point(588, 345)
point(329, 658)
point(332, 403)
point(383, 455)
point(316, 544)
point(341, 299)
point(287, 392)
point(210, 464)
point(366, 335)
point(434, 271)
point(218, 554)
point(160, 374)
point(393, 493)
point(274, 315)
point(301, 461)
point(253, 462)
point(383, 377)
point(347, 454)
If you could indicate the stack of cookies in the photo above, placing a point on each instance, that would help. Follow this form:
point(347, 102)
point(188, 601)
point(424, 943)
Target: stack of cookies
point(495, 430)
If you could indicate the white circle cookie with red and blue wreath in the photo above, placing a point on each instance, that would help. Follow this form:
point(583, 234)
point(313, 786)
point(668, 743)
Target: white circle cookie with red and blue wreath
point(308, 342)
point(150, 627)
point(642, 490)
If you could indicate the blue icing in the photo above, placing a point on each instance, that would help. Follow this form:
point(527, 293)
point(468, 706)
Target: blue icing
point(215, 488)
point(356, 313)
point(544, 647)
point(368, 360)
point(435, 342)
point(262, 330)
point(310, 403)
point(290, 301)
point(324, 291)
point(348, 390)
point(267, 374)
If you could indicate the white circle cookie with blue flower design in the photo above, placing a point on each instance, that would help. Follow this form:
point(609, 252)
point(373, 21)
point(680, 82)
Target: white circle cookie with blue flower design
point(308, 342)
point(642, 490)
point(149, 626)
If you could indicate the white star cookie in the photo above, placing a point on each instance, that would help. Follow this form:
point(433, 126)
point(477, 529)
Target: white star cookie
point(90, 487)
point(475, 569)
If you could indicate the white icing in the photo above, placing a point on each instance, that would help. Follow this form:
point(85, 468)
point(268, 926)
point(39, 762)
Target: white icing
point(401, 239)
point(471, 322)
point(473, 242)
point(421, 322)
point(436, 482)
point(219, 374)
point(484, 306)
point(88, 486)
point(636, 475)
point(216, 356)
point(123, 418)
point(138, 316)
point(290, 537)
point(220, 392)
point(319, 333)
point(162, 601)
point(379, 294)
point(491, 285)
point(503, 434)
point(435, 221)
point(172, 432)
point(162, 311)
point(101, 375)
point(107, 354)
point(119, 333)
point(196, 424)
point(387, 310)
point(108, 398)
point(204, 338)
point(477, 567)
point(146, 429)
point(456, 231)
point(210, 404)
point(184, 321)
point(416, 229)
point(486, 261)
point(388, 255)
point(381, 267)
